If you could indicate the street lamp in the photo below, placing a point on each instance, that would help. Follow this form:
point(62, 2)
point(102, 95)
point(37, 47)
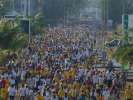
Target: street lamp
point(26, 10)
point(125, 21)
point(29, 6)
point(104, 19)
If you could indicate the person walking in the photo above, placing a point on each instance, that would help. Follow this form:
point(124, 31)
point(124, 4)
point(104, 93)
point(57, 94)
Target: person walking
point(12, 92)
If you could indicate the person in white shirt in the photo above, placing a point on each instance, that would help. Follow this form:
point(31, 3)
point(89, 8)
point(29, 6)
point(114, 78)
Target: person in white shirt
point(101, 79)
point(14, 74)
point(93, 94)
point(11, 92)
point(42, 89)
point(22, 93)
point(54, 97)
point(106, 94)
point(65, 97)
point(12, 81)
point(94, 78)
point(23, 73)
point(47, 95)
point(27, 92)
point(31, 94)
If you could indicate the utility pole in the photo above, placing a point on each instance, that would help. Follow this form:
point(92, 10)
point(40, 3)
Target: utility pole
point(29, 14)
point(26, 10)
point(104, 19)
point(125, 23)
point(13, 5)
point(125, 20)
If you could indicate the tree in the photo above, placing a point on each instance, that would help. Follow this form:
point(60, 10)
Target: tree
point(8, 30)
point(37, 24)
point(124, 54)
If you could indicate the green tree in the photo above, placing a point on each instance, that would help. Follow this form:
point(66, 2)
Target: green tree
point(124, 54)
point(37, 24)
point(8, 30)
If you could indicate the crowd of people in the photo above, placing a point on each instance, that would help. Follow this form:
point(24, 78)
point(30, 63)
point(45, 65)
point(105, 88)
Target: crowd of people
point(56, 68)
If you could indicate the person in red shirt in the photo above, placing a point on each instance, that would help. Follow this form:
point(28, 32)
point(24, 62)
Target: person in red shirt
point(3, 82)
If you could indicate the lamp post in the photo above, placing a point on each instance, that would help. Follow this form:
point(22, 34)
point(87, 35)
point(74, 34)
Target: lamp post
point(104, 19)
point(26, 10)
point(13, 5)
point(125, 21)
point(29, 6)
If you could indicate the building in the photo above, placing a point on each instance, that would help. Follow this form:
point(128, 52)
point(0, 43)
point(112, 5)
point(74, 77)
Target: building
point(23, 7)
point(92, 12)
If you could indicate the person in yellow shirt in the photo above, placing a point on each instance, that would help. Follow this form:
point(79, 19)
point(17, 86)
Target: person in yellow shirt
point(128, 93)
point(77, 86)
point(4, 92)
point(69, 85)
point(132, 90)
point(69, 93)
point(73, 94)
point(72, 72)
point(56, 79)
point(83, 87)
point(61, 93)
point(66, 75)
point(39, 96)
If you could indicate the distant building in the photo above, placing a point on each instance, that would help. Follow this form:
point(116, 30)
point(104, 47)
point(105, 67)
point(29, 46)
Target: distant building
point(22, 7)
point(92, 12)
